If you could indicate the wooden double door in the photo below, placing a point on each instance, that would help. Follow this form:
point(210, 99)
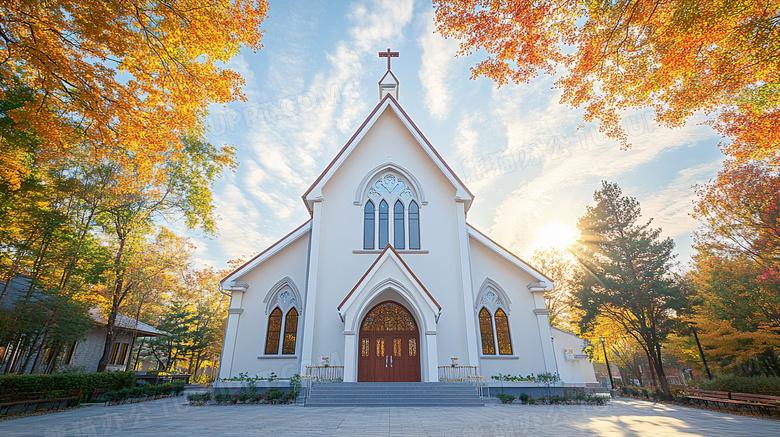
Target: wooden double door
point(389, 348)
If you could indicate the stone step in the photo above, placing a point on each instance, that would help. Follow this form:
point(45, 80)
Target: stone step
point(398, 394)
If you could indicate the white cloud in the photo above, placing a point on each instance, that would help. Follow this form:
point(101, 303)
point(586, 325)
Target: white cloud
point(670, 208)
point(437, 56)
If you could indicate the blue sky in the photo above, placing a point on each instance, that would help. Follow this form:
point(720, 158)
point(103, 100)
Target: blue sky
point(518, 150)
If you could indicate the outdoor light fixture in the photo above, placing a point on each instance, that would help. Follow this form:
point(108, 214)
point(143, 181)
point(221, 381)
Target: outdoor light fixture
point(609, 371)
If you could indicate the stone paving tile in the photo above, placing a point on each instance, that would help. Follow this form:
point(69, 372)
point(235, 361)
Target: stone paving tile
point(172, 417)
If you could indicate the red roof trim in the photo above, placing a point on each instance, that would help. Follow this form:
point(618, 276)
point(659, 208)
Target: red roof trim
point(344, 149)
point(266, 250)
point(389, 247)
point(365, 122)
point(509, 252)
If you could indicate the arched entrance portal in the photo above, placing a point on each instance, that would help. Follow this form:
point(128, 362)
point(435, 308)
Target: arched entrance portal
point(389, 348)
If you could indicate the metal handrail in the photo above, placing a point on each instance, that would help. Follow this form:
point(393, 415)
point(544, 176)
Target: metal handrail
point(326, 373)
point(479, 383)
point(457, 373)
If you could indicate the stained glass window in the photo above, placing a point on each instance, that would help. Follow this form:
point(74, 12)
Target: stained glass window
point(274, 331)
point(368, 226)
point(389, 316)
point(502, 333)
point(384, 229)
point(486, 329)
point(290, 331)
point(380, 347)
point(364, 346)
point(398, 225)
point(397, 345)
point(412, 347)
point(414, 226)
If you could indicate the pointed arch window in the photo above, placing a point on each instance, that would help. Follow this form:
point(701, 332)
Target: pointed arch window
point(368, 226)
point(486, 331)
point(391, 212)
point(282, 308)
point(414, 226)
point(398, 225)
point(384, 228)
point(290, 331)
point(502, 333)
point(274, 330)
point(494, 330)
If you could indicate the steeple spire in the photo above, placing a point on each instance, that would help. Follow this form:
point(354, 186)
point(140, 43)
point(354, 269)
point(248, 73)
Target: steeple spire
point(388, 84)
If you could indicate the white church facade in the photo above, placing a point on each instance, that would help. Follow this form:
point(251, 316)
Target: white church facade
point(387, 278)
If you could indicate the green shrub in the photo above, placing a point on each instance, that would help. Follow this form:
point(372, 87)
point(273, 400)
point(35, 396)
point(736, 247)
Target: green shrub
point(226, 398)
point(532, 401)
point(505, 398)
point(524, 397)
point(762, 385)
point(199, 398)
point(274, 394)
point(87, 382)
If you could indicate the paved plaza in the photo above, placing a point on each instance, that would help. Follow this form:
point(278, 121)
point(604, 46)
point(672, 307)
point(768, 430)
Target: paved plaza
point(172, 417)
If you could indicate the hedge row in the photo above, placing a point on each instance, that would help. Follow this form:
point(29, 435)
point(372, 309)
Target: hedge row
point(88, 382)
point(145, 392)
point(743, 384)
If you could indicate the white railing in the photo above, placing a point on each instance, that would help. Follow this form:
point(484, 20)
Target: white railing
point(457, 373)
point(325, 373)
point(479, 384)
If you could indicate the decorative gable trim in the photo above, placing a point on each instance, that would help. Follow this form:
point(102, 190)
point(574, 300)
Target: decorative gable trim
point(500, 298)
point(391, 253)
point(274, 297)
point(543, 282)
point(314, 193)
point(272, 250)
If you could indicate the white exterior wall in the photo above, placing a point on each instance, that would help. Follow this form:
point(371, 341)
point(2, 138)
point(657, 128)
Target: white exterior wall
point(571, 369)
point(342, 224)
point(252, 323)
point(527, 348)
point(329, 261)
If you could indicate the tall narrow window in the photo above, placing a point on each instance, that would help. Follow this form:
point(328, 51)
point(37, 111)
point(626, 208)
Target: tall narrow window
point(414, 226)
point(274, 330)
point(502, 333)
point(398, 225)
point(290, 331)
point(368, 226)
point(384, 229)
point(486, 329)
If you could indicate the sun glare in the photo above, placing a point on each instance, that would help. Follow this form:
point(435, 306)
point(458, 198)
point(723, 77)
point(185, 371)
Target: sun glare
point(557, 235)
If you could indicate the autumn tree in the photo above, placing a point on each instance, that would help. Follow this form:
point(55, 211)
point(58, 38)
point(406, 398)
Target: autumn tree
point(115, 80)
point(736, 267)
point(625, 275)
point(677, 57)
point(560, 266)
point(128, 216)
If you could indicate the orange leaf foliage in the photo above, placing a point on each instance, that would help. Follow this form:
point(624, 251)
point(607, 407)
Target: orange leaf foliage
point(677, 57)
point(119, 81)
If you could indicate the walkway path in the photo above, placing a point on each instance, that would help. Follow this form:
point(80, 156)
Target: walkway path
point(172, 417)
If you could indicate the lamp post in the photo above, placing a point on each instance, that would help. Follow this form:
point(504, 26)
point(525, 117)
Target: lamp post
point(609, 371)
point(701, 351)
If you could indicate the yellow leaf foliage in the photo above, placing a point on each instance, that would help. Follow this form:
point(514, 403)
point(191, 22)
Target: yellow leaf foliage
point(120, 81)
point(677, 57)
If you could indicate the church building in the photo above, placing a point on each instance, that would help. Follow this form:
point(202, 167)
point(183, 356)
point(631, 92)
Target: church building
point(387, 281)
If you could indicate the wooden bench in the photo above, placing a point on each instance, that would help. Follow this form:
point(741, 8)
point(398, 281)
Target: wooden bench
point(22, 402)
point(761, 403)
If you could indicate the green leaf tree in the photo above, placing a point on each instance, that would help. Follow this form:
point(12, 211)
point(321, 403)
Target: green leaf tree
point(625, 276)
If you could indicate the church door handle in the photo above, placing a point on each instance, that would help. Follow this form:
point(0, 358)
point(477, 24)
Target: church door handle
point(391, 361)
point(385, 360)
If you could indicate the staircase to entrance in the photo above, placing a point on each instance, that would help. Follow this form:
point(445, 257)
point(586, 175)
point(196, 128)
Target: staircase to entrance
point(393, 394)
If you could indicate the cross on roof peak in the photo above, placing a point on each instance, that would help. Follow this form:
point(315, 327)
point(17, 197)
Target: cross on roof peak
point(388, 54)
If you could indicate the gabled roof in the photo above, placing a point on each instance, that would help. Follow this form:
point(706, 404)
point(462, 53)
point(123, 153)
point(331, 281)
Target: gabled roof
point(511, 257)
point(315, 190)
point(388, 252)
point(126, 322)
point(261, 257)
